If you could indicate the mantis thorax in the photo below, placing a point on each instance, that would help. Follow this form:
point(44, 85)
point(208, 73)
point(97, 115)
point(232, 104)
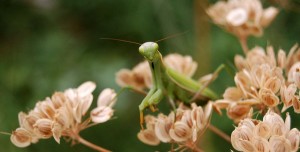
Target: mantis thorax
point(149, 50)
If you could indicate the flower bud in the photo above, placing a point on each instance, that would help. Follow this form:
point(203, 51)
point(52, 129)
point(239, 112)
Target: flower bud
point(43, 128)
point(148, 137)
point(294, 137)
point(268, 98)
point(21, 138)
point(233, 93)
point(279, 143)
point(261, 144)
point(180, 132)
point(162, 128)
point(273, 84)
point(262, 130)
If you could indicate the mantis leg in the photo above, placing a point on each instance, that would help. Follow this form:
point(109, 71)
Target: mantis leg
point(156, 97)
point(145, 104)
point(214, 76)
point(189, 84)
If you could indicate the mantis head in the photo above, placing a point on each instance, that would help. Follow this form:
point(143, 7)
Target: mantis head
point(149, 50)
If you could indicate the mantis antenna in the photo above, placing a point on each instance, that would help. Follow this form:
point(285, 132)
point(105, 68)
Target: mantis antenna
point(171, 36)
point(121, 40)
point(104, 38)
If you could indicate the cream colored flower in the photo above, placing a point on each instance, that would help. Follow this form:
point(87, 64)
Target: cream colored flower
point(21, 137)
point(57, 130)
point(182, 64)
point(162, 127)
point(294, 137)
point(271, 134)
point(287, 95)
point(232, 93)
point(139, 77)
point(101, 114)
point(148, 137)
point(241, 138)
point(280, 143)
point(183, 128)
point(261, 144)
point(238, 112)
point(43, 128)
point(242, 17)
point(263, 81)
point(107, 98)
point(180, 132)
point(61, 115)
point(237, 17)
point(268, 98)
point(263, 130)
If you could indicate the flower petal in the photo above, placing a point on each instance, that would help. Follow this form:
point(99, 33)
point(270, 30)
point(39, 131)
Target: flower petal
point(101, 114)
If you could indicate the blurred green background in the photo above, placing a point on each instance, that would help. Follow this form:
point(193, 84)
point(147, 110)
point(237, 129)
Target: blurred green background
point(52, 45)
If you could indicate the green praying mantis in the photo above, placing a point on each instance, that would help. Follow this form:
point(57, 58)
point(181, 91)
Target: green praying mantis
point(168, 82)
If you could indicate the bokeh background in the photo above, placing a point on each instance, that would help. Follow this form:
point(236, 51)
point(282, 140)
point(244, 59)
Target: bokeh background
point(52, 45)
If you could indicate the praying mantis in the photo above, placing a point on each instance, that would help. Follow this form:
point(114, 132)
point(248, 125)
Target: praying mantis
point(168, 82)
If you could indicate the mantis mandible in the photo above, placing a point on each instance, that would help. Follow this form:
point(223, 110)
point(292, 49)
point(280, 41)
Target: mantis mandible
point(168, 82)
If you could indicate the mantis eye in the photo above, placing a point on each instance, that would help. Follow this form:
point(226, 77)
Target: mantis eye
point(141, 49)
point(155, 46)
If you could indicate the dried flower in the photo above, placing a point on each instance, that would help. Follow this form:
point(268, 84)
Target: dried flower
point(107, 98)
point(242, 17)
point(271, 134)
point(61, 115)
point(21, 137)
point(138, 78)
point(104, 111)
point(260, 81)
point(184, 128)
point(182, 64)
point(148, 136)
point(101, 114)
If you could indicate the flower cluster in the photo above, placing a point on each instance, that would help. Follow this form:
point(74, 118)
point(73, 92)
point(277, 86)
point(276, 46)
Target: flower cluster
point(140, 76)
point(260, 81)
point(61, 115)
point(271, 134)
point(242, 17)
point(182, 127)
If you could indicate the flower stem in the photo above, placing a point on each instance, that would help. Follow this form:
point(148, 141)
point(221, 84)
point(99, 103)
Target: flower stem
point(193, 147)
point(243, 42)
point(5, 133)
point(91, 145)
point(219, 132)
